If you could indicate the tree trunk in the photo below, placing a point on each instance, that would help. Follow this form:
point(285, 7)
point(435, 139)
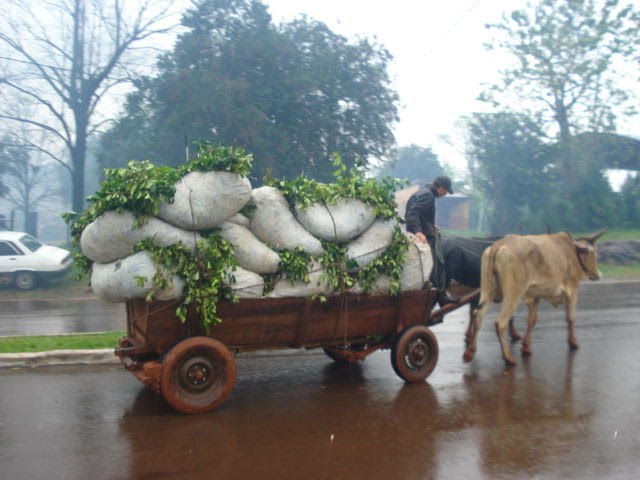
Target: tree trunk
point(77, 178)
point(562, 118)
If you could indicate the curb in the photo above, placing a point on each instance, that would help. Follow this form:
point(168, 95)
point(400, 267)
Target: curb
point(107, 357)
point(59, 357)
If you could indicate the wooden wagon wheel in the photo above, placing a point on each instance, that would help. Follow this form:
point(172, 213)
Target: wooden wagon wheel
point(340, 353)
point(198, 374)
point(414, 353)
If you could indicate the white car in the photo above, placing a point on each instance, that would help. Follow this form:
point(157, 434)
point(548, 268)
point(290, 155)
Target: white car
point(25, 261)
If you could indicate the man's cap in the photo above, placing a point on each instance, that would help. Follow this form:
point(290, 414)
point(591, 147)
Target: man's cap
point(443, 181)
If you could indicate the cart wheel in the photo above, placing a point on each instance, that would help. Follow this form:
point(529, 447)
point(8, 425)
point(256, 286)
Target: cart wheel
point(339, 353)
point(414, 353)
point(198, 374)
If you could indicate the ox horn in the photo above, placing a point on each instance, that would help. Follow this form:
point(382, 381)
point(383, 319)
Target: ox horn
point(596, 236)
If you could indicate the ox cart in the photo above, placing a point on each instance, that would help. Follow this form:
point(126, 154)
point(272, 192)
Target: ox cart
point(195, 370)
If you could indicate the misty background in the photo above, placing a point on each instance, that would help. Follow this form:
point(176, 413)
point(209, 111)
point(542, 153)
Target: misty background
point(531, 107)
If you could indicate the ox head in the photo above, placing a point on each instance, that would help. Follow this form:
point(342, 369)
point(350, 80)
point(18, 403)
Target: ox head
point(587, 255)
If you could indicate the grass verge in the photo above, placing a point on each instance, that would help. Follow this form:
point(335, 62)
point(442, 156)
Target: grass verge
point(620, 271)
point(44, 343)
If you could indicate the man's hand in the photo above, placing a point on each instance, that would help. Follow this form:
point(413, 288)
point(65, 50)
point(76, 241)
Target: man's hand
point(421, 238)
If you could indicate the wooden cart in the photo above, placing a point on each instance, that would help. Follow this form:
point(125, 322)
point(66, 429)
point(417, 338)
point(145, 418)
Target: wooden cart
point(195, 370)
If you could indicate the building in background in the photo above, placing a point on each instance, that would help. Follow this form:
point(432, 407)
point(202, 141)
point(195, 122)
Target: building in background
point(452, 211)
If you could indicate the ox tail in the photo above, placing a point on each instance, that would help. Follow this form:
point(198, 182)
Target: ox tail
point(487, 276)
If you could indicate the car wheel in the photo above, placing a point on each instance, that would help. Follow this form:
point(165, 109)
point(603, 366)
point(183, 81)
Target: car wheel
point(25, 280)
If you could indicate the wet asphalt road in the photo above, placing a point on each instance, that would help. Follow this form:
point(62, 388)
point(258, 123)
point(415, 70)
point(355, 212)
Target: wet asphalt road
point(54, 317)
point(557, 415)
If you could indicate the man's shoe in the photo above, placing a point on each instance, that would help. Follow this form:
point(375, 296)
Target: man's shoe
point(444, 298)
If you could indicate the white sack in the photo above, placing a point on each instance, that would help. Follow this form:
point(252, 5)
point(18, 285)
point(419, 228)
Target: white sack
point(250, 253)
point(417, 265)
point(246, 284)
point(372, 243)
point(116, 281)
point(112, 236)
point(240, 219)
point(337, 223)
point(273, 223)
point(416, 269)
point(204, 200)
point(284, 287)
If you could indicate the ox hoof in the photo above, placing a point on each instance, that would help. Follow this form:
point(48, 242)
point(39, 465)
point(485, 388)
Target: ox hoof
point(468, 356)
point(526, 350)
point(510, 362)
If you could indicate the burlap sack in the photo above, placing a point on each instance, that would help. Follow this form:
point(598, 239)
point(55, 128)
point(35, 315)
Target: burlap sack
point(416, 269)
point(250, 253)
point(317, 286)
point(245, 284)
point(240, 219)
point(273, 223)
point(116, 281)
point(204, 200)
point(417, 265)
point(112, 236)
point(337, 223)
point(372, 243)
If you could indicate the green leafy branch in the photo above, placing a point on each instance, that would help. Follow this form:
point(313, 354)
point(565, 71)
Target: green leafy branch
point(350, 183)
point(390, 263)
point(141, 187)
point(205, 273)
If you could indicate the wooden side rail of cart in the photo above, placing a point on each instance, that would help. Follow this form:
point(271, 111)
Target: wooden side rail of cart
point(195, 370)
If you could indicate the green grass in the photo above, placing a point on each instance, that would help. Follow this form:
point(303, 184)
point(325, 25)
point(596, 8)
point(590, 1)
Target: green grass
point(43, 343)
point(620, 235)
point(620, 271)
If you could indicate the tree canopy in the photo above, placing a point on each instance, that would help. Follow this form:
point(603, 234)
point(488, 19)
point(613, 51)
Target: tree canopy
point(568, 56)
point(290, 94)
point(413, 162)
point(508, 161)
point(564, 85)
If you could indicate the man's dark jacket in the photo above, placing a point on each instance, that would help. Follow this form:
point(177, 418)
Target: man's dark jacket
point(420, 214)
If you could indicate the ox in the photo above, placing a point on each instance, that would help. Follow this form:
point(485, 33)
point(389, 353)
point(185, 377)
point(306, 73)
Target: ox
point(533, 267)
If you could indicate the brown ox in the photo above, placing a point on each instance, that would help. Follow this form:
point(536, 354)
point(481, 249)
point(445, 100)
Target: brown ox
point(532, 267)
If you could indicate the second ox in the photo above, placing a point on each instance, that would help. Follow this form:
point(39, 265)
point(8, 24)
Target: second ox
point(533, 267)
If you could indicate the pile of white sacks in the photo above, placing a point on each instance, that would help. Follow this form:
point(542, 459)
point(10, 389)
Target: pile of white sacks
point(204, 201)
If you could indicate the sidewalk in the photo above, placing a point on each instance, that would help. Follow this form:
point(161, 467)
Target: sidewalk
point(59, 357)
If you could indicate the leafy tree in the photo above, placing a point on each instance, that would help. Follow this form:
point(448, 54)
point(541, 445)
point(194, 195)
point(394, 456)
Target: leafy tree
point(630, 193)
point(566, 56)
point(509, 163)
point(291, 94)
point(62, 58)
point(414, 163)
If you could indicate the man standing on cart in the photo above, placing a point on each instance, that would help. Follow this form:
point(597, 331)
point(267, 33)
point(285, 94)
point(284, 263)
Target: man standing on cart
point(420, 220)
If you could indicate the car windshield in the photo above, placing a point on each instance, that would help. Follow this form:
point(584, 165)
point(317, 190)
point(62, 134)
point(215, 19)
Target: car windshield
point(30, 242)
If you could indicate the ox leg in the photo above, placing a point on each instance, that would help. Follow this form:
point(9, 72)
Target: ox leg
point(570, 308)
point(531, 323)
point(508, 309)
point(469, 334)
point(513, 333)
point(475, 322)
